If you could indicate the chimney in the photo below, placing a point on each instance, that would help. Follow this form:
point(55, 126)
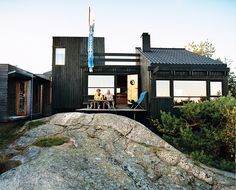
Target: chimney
point(146, 42)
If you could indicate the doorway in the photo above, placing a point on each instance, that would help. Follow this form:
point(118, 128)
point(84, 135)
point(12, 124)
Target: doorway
point(121, 90)
point(21, 97)
point(132, 85)
point(126, 89)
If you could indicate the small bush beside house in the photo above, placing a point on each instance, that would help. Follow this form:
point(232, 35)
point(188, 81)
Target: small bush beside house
point(205, 130)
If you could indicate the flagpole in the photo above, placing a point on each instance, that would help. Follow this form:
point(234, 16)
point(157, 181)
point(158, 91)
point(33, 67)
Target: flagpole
point(90, 42)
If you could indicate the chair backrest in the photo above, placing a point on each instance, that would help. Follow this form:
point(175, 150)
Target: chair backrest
point(141, 97)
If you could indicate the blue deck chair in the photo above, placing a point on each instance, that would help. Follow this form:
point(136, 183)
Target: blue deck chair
point(139, 101)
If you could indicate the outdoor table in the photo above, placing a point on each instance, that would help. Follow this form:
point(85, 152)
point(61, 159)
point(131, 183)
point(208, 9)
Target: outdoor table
point(95, 102)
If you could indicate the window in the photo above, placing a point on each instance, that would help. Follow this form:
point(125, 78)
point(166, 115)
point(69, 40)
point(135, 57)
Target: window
point(162, 88)
point(60, 56)
point(103, 82)
point(215, 89)
point(189, 91)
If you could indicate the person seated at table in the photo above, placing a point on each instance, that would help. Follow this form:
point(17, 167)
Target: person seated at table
point(98, 96)
point(108, 96)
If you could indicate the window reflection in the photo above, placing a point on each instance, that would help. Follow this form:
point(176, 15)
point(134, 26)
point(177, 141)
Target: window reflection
point(189, 91)
point(100, 81)
point(189, 88)
point(179, 101)
point(103, 82)
point(216, 88)
point(162, 88)
point(60, 56)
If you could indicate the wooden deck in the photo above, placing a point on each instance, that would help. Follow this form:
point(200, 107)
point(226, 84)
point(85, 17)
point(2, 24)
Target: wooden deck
point(118, 111)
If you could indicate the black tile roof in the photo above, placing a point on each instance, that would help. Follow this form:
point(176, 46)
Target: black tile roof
point(175, 56)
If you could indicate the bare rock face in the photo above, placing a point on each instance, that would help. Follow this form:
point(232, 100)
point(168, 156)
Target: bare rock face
point(105, 152)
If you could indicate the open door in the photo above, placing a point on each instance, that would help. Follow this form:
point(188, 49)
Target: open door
point(21, 97)
point(132, 86)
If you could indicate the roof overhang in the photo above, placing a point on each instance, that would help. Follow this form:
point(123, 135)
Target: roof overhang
point(20, 75)
point(184, 67)
point(23, 75)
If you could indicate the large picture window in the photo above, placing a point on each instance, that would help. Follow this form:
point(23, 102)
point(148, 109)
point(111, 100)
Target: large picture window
point(60, 56)
point(189, 91)
point(162, 88)
point(103, 82)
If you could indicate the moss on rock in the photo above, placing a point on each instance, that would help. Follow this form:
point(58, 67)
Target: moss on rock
point(34, 124)
point(51, 141)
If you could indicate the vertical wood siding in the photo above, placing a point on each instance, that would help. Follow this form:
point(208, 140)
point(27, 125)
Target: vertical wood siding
point(67, 93)
point(144, 79)
point(11, 96)
point(3, 90)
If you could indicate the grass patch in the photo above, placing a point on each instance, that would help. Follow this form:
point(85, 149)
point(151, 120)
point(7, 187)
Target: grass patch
point(51, 141)
point(34, 124)
point(9, 132)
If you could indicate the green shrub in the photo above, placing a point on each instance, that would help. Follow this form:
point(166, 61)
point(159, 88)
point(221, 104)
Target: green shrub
point(51, 141)
point(201, 156)
point(210, 160)
point(170, 124)
point(206, 130)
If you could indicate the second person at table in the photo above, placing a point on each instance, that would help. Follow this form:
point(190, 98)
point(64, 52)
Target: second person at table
point(108, 96)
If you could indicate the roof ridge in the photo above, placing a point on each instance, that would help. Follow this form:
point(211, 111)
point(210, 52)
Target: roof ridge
point(168, 48)
point(175, 56)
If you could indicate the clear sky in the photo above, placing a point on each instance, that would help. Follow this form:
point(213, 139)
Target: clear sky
point(27, 26)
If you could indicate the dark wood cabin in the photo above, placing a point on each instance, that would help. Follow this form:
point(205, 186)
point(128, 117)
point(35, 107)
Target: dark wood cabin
point(23, 95)
point(174, 76)
point(171, 76)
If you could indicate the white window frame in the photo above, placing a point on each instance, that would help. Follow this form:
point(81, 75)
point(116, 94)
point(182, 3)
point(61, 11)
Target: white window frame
point(58, 53)
point(158, 94)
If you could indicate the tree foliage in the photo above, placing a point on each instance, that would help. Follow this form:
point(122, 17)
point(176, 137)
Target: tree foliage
point(204, 48)
point(205, 130)
point(232, 83)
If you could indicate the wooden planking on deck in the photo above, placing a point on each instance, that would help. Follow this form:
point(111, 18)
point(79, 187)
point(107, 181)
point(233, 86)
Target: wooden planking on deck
point(116, 111)
point(110, 110)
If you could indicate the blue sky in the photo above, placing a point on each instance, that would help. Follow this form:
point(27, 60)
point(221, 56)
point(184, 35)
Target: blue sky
point(27, 26)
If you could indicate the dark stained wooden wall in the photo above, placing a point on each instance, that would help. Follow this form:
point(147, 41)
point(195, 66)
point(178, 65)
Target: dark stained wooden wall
point(47, 108)
point(67, 93)
point(144, 80)
point(11, 96)
point(36, 96)
point(3, 90)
